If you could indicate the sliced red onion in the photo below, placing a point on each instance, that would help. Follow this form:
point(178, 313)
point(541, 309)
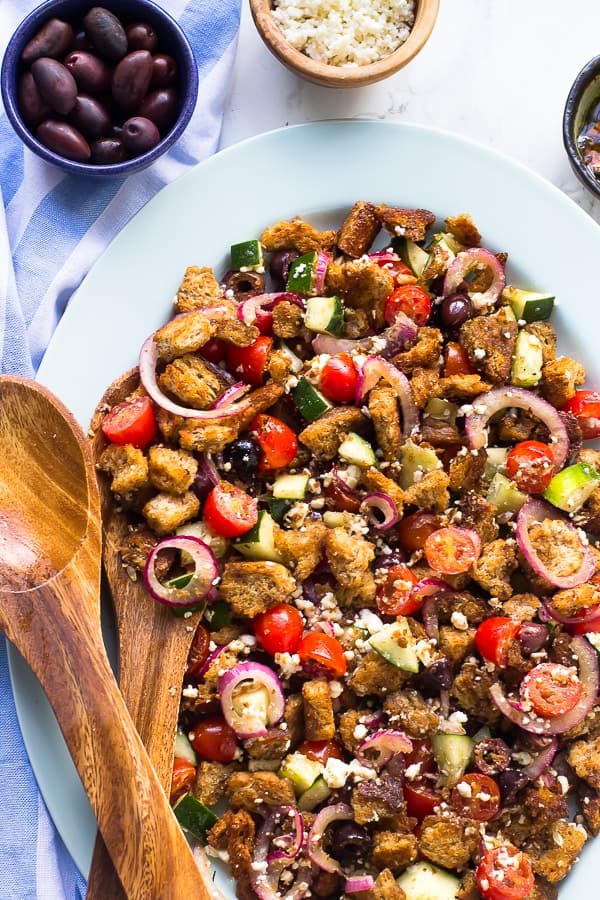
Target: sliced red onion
point(541, 762)
point(269, 865)
point(487, 405)
point(466, 262)
point(402, 331)
point(322, 261)
point(147, 366)
point(372, 720)
point(324, 343)
point(248, 309)
point(583, 618)
point(358, 883)
point(371, 372)
point(231, 395)
point(206, 477)
point(339, 812)
point(537, 510)
point(214, 654)
point(201, 581)
point(381, 257)
point(378, 502)
point(326, 626)
point(250, 720)
point(429, 589)
point(378, 748)
point(590, 680)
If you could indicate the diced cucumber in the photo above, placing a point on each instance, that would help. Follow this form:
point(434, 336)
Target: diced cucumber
point(247, 256)
point(445, 410)
point(354, 449)
point(424, 881)
point(397, 644)
point(527, 361)
point(296, 364)
point(570, 488)
point(451, 241)
point(416, 459)
point(200, 530)
point(303, 274)
point(179, 581)
point(194, 816)
point(183, 748)
point(495, 460)
point(301, 771)
point(279, 508)
point(259, 542)
point(413, 255)
point(453, 754)
point(310, 402)
point(218, 615)
point(503, 494)
point(316, 794)
point(291, 487)
point(529, 306)
point(325, 315)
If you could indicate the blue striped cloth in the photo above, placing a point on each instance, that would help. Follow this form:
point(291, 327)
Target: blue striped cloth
point(52, 228)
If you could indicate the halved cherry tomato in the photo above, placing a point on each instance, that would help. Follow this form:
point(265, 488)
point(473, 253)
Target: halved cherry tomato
point(229, 511)
point(198, 653)
point(456, 361)
point(420, 793)
point(249, 363)
point(278, 443)
point(279, 629)
point(530, 464)
point(324, 652)
point(505, 873)
point(131, 422)
point(264, 321)
point(477, 797)
point(214, 740)
point(493, 638)
point(451, 550)
point(397, 269)
point(340, 497)
point(585, 406)
point(395, 591)
point(338, 379)
point(412, 300)
point(184, 776)
point(321, 751)
point(214, 351)
point(413, 530)
point(552, 689)
point(591, 625)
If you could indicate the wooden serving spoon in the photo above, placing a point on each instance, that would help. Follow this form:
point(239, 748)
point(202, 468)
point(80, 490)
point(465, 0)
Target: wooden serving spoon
point(153, 645)
point(50, 547)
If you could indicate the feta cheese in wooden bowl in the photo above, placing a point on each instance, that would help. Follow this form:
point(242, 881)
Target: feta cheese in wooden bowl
point(344, 43)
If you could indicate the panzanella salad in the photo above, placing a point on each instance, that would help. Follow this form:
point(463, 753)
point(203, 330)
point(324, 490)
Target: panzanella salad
point(369, 468)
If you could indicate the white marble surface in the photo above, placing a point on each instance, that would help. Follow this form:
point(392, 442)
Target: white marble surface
point(496, 71)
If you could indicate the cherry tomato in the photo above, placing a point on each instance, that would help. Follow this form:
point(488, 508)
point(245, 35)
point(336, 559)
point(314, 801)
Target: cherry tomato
point(229, 511)
point(395, 591)
point(505, 873)
point(397, 269)
point(552, 689)
point(451, 550)
point(585, 406)
point(214, 740)
point(479, 800)
point(530, 464)
point(131, 422)
point(340, 497)
point(421, 798)
point(279, 629)
point(456, 361)
point(325, 652)
point(493, 638)
point(278, 443)
point(412, 300)
point(249, 363)
point(198, 653)
point(183, 778)
point(321, 751)
point(591, 625)
point(414, 530)
point(338, 379)
point(264, 321)
point(214, 351)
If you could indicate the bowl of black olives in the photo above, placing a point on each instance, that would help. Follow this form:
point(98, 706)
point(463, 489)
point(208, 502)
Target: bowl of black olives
point(99, 90)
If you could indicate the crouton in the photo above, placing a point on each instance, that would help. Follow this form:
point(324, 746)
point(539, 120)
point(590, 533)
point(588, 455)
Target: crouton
point(461, 387)
point(545, 333)
point(362, 284)
point(375, 675)
point(128, 467)
point(168, 425)
point(474, 609)
point(172, 471)
point(192, 381)
point(383, 407)
point(250, 587)
point(496, 336)
point(136, 547)
point(437, 263)
point(359, 594)
point(544, 803)
point(555, 849)
point(359, 230)
point(297, 235)
point(426, 353)
point(570, 601)
point(273, 745)
point(356, 323)
point(348, 556)
point(514, 426)
point(560, 378)
point(471, 688)
point(409, 223)
point(377, 800)
point(589, 804)
point(235, 833)
point(423, 385)
point(408, 711)
point(479, 514)
point(494, 568)
point(430, 493)
point(385, 888)
point(164, 513)
point(347, 726)
point(584, 759)
point(231, 329)
point(466, 471)
point(374, 480)
point(199, 288)
point(558, 546)
point(288, 320)
point(211, 781)
point(253, 791)
point(324, 436)
point(448, 841)
point(464, 229)
point(186, 333)
point(521, 607)
point(293, 717)
point(300, 551)
point(279, 366)
point(394, 851)
point(319, 723)
point(456, 644)
point(207, 437)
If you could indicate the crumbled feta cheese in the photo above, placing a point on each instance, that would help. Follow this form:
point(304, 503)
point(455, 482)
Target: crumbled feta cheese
point(336, 772)
point(289, 663)
point(459, 620)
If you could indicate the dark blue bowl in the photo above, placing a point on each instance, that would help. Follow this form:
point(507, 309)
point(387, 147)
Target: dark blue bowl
point(172, 41)
point(584, 94)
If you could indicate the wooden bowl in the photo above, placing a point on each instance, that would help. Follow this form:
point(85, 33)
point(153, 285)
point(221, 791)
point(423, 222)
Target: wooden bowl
point(338, 76)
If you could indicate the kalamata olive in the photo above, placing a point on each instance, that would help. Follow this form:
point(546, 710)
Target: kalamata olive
point(90, 116)
point(161, 107)
point(53, 40)
point(140, 135)
point(131, 79)
point(244, 285)
point(164, 71)
point(55, 84)
point(108, 150)
point(510, 782)
point(90, 72)
point(64, 139)
point(141, 36)
point(243, 456)
point(455, 309)
point(491, 756)
point(437, 676)
point(33, 109)
point(350, 841)
point(532, 636)
point(279, 266)
point(106, 33)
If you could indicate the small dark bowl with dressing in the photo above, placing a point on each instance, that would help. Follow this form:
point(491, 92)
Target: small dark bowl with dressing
point(580, 137)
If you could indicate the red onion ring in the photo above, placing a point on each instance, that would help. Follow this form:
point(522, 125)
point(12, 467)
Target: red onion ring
point(401, 332)
point(381, 257)
point(239, 719)
point(536, 510)
point(383, 503)
point(385, 743)
point(589, 614)
point(372, 370)
point(248, 308)
point(209, 661)
point(339, 812)
point(541, 762)
point(321, 265)
point(266, 882)
point(463, 264)
point(231, 395)
point(487, 405)
point(358, 883)
point(199, 585)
